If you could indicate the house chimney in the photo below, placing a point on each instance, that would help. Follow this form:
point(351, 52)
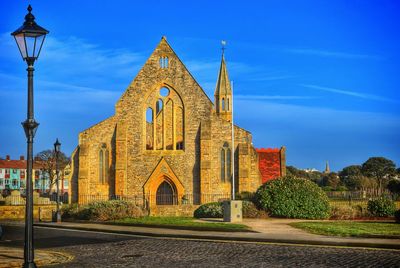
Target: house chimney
point(21, 157)
point(8, 157)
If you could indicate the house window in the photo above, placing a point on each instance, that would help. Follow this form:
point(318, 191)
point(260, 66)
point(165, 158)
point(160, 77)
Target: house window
point(14, 183)
point(164, 120)
point(1, 182)
point(226, 163)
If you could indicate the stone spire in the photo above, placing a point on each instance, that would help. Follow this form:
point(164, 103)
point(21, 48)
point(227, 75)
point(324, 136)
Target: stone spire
point(327, 169)
point(223, 92)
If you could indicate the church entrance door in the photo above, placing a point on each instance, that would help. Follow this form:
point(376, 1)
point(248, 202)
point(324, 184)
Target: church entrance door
point(165, 194)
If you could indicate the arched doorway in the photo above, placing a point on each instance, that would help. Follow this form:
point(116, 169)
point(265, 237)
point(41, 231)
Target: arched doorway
point(166, 195)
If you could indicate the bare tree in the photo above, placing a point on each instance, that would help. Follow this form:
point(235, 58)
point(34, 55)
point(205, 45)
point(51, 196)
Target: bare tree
point(46, 160)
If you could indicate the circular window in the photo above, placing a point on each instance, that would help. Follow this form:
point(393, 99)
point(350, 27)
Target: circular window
point(164, 92)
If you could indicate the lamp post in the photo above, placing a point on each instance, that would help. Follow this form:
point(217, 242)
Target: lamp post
point(57, 146)
point(29, 38)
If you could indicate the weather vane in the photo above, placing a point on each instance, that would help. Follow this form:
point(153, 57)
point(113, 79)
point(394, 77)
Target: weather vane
point(223, 43)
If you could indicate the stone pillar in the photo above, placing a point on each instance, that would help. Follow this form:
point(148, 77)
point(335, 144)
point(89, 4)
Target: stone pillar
point(83, 176)
point(244, 161)
point(283, 160)
point(120, 159)
point(205, 160)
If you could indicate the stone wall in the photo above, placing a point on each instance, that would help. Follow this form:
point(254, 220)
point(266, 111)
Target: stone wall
point(174, 211)
point(40, 212)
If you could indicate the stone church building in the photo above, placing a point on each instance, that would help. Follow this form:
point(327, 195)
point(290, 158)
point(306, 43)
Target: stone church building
point(168, 143)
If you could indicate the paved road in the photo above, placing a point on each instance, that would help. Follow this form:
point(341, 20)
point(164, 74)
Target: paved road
point(111, 250)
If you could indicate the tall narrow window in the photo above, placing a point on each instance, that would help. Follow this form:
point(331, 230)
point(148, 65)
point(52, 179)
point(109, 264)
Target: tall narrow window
point(169, 125)
point(227, 104)
point(101, 166)
point(149, 129)
point(159, 125)
point(223, 104)
point(223, 164)
point(179, 128)
point(226, 163)
point(163, 61)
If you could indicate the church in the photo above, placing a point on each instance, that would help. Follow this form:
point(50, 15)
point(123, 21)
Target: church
point(168, 145)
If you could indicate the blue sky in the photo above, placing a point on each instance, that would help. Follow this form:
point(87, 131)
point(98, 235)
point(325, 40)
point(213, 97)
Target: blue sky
point(320, 77)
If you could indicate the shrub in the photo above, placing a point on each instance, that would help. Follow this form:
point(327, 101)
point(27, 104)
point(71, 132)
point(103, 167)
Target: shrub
point(397, 216)
point(215, 210)
point(209, 210)
point(250, 211)
point(249, 196)
point(346, 212)
point(293, 198)
point(381, 207)
point(105, 210)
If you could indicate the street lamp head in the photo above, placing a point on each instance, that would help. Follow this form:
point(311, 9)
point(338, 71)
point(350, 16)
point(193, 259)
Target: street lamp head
point(30, 38)
point(57, 146)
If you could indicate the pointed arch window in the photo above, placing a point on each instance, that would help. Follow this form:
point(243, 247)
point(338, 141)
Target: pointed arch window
point(103, 165)
point(223, 104)
point(149, 129)
point(226, 163)
point(164, 120)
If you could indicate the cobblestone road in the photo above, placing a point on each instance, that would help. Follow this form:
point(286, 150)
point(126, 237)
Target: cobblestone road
point(108, 250)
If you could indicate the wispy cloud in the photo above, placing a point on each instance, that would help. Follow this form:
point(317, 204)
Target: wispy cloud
point(350, 93)
point(273, 97)
point(336, 54)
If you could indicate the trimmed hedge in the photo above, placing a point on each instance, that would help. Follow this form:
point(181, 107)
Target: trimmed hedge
point(105, 211)
point(215, 210)
point(381, 207)
point(291, 197)
point(209, 210)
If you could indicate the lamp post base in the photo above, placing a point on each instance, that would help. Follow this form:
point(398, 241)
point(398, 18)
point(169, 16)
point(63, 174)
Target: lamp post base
point(29, 265)
point(56, 216)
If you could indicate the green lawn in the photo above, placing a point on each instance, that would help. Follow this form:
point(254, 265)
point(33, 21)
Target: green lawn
point(351, 228)
point(182, 223)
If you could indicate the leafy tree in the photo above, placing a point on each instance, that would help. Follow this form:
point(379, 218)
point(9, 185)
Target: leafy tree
point(47, 161)
point(314, 176)
point(380, 169)
point(331, 180)
point(353, 178)
point(394, 186)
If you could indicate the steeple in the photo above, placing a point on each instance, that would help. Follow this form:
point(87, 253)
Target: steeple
point(223, 92)
point(327, 169)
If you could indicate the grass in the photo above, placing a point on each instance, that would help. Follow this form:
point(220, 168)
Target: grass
point(351, 228)
point(182, 223)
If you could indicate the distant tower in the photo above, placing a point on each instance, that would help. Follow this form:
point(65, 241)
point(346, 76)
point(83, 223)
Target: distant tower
point(223, 91)
point(327, 169)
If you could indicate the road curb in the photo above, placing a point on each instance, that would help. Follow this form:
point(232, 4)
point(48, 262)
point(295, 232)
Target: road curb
point(216, 237)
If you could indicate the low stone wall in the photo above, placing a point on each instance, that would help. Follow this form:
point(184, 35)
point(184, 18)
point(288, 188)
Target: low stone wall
point(40, 212)
point(173, 210)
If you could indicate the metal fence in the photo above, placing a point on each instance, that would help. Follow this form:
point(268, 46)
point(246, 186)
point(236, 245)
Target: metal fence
point(159, 199)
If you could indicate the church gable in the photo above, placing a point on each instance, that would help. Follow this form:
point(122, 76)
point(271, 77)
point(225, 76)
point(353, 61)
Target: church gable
point(163, 68)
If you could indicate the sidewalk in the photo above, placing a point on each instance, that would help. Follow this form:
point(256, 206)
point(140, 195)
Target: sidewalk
point(14, 257)
point(268, 230)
